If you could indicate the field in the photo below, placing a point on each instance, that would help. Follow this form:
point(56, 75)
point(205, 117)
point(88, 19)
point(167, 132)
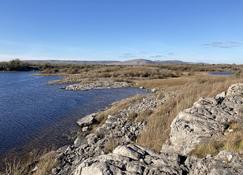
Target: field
point(187, 82)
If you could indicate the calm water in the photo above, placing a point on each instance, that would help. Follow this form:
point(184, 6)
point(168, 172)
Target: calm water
point(32, 110)
point(224, 74)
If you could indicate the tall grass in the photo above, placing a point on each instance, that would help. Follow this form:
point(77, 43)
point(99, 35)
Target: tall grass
point(158, 127)
point(232, 141)
point(31, 164)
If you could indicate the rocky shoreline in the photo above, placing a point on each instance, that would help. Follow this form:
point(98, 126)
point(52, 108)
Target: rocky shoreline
point(100, 83)
point(207, 118)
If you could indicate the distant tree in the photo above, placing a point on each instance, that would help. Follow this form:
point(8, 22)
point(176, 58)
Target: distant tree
point(15, 64)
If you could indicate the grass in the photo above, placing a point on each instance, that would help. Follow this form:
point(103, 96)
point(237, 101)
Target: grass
point(77, 73)
point(24, 166)
point(187, 91)
point(232, 141)
point(46, 163)
point(110, 145)
point(187, 82)
point(118, 73)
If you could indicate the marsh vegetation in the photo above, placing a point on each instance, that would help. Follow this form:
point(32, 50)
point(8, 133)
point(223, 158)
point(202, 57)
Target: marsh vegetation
point(187, 82)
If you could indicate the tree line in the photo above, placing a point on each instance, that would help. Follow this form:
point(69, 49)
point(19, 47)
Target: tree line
point(15, 65)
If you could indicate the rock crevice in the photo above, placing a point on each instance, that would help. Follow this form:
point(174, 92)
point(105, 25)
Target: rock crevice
point(207, 118)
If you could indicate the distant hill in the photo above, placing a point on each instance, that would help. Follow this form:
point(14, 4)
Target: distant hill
point(136, 62)
point(128, 62)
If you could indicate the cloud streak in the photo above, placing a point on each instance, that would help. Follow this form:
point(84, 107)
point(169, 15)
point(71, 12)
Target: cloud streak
point(224, 44)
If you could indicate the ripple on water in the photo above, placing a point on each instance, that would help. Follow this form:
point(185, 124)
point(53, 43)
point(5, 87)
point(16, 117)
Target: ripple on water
point(30, 109)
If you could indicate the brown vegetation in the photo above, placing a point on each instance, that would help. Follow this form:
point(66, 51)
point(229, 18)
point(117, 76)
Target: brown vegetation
point(186, 92)
point(232, 141)
point(76, 73)
point(187, 83)
point(110, 145)
point(32, 164)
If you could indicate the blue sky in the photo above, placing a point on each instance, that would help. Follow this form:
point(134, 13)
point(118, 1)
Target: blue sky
point(189, 30)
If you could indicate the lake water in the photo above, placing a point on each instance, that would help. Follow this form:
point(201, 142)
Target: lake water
point(32, 110)
point(224, 74)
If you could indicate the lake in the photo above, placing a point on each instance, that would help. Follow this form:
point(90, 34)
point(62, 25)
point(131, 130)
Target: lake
point(224, 73)
point(33, 111)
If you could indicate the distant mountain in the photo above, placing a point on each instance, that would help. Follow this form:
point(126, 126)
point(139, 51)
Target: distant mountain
point(128, 62)
point(136, 62)
point(172, 62)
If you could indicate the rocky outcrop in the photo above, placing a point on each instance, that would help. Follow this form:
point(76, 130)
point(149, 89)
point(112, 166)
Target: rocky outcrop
point(97, 84)
point(207, 118)
point(225, 163)
point(132, 159)
point(116, 130)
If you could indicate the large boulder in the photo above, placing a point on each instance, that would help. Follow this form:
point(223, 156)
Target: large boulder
point(87, 120)
point(207, 118)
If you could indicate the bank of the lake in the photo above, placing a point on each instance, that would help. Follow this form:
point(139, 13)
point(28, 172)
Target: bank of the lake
point(33, 111)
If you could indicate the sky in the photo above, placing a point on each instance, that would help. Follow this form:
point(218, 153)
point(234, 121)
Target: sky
point(189, 30)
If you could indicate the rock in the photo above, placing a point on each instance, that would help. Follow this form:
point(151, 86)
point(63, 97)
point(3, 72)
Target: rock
point(86, 121)
point(77, 141)
point(225, 155)
point(154, 90)
point(116, 130)
point(127, 152)
point(100, 83)
point(91, 138)
point(220, 97)
point(34, 169)
point(222, 164)
point(120, 162)
point(205, 119)
point(235, 90)
point(97, 170)
point(85, 129)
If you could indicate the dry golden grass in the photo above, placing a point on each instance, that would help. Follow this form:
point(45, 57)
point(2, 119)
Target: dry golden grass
point(162, 83)
point(211, 148)
point(14, 168)
point(43, 161)
point(120, 73)
point(187, 91)
point(232, 141)
point(46, 163)
point(184, 80)
point(110, 145)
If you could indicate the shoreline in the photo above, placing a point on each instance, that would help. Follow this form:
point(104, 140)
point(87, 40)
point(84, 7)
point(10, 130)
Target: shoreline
point(110, 143)
point(118, 128)
point(19, 152)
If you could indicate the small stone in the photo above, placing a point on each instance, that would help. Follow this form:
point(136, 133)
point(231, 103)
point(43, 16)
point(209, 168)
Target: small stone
point(34, 169)
point(85, 129)
point(77, 142)
point(127, 152)
point(154, 90)
point(230, 130)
